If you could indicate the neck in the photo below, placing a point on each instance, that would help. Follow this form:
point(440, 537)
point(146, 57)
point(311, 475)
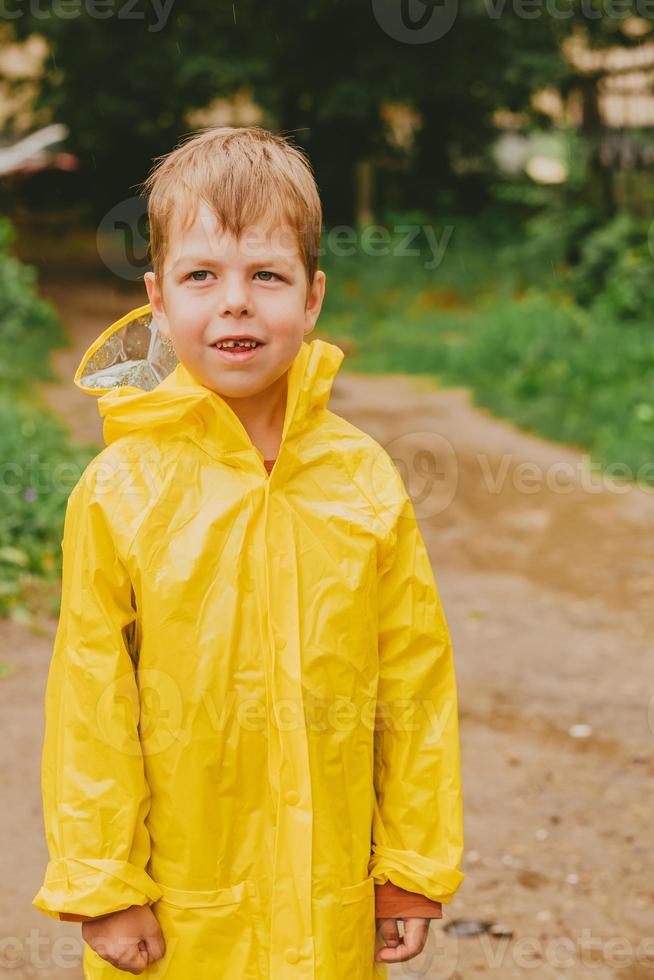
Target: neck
point(262, 415)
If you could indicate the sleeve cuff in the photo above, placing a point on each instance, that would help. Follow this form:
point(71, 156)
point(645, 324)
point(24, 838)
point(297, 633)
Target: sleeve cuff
point(91, 888)
point(393, 902)
point(415, 873)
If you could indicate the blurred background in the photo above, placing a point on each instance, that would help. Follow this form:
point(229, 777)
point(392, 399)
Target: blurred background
point(486, 171)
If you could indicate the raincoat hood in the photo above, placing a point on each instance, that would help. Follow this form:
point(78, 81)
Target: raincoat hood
point(141, 385)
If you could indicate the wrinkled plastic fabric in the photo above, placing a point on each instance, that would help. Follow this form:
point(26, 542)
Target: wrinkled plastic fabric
point(251, 708)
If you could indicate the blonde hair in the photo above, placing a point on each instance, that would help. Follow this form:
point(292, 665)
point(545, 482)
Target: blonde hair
point(245, 175)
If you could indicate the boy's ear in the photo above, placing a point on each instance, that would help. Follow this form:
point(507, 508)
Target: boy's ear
point(315, 296)
point(156, 302)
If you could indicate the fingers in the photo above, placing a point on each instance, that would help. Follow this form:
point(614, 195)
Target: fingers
point(136, 960)
point(129, 939)
point(132, 955)
point(389, 931)
point(407, 946)
point(155, 944)
point(128, 955)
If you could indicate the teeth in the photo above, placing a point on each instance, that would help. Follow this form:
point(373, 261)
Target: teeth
point(247, 344)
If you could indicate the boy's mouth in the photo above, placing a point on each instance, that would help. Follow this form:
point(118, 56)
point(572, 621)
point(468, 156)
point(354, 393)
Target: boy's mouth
point(238, 349)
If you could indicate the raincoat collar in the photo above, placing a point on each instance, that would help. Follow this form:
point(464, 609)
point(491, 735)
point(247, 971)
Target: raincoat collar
point(133, 399)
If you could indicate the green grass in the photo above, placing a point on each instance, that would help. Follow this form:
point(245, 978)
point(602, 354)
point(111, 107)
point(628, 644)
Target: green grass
point(39, 463)
point(512, 335)
point(42, 466)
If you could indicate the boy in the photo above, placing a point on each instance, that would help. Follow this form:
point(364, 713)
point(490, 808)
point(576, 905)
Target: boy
point(251, 756)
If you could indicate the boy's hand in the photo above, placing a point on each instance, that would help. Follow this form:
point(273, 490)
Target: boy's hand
point(398, 949)
point(130, 939)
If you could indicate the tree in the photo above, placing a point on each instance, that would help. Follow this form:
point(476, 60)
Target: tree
point(322, 71)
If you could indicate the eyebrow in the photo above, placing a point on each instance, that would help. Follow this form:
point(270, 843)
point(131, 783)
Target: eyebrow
point(265, 260)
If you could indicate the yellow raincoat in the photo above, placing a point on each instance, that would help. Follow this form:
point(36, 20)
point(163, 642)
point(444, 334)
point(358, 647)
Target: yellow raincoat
point(251, 709)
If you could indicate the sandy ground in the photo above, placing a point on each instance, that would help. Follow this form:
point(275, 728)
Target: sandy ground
point(546, 575)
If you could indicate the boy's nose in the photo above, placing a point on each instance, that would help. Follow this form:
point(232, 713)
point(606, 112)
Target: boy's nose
point(234, 297)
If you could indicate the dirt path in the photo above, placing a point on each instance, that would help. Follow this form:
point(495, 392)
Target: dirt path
point(546, 578)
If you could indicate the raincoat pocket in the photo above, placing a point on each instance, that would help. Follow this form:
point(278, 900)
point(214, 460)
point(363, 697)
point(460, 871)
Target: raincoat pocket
point(356, 935)
point(356, 893)
point(183, 899)
point(200, 929)
point(203, 928)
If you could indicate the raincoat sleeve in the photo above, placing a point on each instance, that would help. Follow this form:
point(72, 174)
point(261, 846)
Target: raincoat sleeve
point(417, 833)
point(95, 795)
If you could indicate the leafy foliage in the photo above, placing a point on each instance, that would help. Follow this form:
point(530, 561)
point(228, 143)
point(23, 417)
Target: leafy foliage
point(615, 269)
point(40, 465)
point(29, 327)
point(321, 71)
point(492, 319)
point(44, 466)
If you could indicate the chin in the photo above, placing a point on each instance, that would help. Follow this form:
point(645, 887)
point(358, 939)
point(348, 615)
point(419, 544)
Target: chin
point(228, 389)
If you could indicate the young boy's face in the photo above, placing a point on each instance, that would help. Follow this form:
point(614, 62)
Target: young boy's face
point(216, 287)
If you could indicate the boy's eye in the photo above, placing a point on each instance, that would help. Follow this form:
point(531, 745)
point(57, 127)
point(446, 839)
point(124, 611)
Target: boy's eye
point(205, 272)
